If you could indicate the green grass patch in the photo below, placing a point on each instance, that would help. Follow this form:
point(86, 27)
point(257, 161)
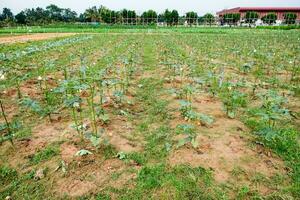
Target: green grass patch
point(45, 154)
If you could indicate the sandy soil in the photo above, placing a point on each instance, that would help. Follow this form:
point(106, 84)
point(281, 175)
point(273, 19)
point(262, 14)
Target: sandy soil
point(31, 37)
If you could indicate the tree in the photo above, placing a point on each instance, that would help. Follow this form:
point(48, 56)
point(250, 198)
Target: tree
point(175, 17)
point(191, 17)
point(251, 17)
point(171, 18)
point(92, 14)
point(55, 13)
point(161, 18)
point(290, 18)
point(21, 18)
point(167, 16)
point(129, 16)
point(82, 18)
point(270, 18)
point(149, 16)
point(208, 18)
point(231, 18)
point(105, 14)
point(7, 14)
point(68, 15)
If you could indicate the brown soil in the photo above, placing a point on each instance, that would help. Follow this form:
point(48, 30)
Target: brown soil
point(225, 147)
point(119, 133)
point(94, 177)
point(32, 37)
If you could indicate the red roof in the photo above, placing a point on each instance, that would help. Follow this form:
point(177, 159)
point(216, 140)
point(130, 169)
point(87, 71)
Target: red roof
point(269, 8)
point(240, 9)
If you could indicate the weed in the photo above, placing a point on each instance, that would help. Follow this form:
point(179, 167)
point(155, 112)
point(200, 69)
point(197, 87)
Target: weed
point(45, 154)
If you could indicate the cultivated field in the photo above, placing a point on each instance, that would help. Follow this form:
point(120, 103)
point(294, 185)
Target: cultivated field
point(159, 114)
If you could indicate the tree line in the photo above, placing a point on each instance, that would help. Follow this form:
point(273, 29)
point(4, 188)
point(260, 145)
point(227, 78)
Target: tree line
point(54, 14)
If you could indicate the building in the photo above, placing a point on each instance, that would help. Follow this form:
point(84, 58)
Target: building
point(262, 11)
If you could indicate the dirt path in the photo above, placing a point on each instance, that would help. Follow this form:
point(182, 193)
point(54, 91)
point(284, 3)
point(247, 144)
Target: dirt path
point(31, 37)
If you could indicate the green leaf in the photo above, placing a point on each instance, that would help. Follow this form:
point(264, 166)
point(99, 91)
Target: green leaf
point(183, 141)
point(121, 155)
point(95, 141)
point(231, 114)
point(194, 143)
point(83, 152)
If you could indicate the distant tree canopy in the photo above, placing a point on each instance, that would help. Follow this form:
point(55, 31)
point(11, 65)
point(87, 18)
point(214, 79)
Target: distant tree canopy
point(290, 18)
point(270, 18)
point(92, 14)
point(251, 17)
point(208, 18)
point(231, 18)
point(38, 15)
point(128, 16)
point(171, 17)
point(191, 17)
point(7, 14)
point(149, 16)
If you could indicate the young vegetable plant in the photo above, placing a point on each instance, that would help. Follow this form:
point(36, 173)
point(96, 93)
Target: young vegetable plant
point(191, 135)
point(272, 109)
point(50, 98)
point(232, 100)
point(7, 124)
point(190, 115)
point(91, 104)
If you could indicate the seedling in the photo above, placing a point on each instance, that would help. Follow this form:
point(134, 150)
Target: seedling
point(8, 125)
point(190, 132)
point(83, 152)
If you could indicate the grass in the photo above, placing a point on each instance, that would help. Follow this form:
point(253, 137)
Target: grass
point(20, 186)
point(45, 154)
point(180, 182)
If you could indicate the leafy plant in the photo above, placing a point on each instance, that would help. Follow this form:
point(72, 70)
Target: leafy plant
point(83, 152)
point(272, 109)
point(190, 132)
point(232, 100)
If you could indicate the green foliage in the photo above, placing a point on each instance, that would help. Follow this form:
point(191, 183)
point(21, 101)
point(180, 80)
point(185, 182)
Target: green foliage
point(251, 17)
point(158, 143)
point(231, 18)
point(139, 158)
point(269, 18)
point(232, 100)
point(183, 182)
point(33, 105)
point(7, 175)
point(20, 186)
point(171, 17)
point(103, 196)
point(209, 18)
point(282, 140)
point(83, 152)
point(191, 135)
point(151, 177)
point(192, 17)
point(45, 154)
point(149, 16)
point(272, 108)
point(290, 18)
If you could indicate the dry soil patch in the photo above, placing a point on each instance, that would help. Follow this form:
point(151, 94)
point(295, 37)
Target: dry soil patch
point(31, 37)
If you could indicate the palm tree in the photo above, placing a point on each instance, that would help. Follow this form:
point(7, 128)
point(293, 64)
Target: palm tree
point(92, 14)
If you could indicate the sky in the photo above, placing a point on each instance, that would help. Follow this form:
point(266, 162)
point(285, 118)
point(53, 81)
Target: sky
point(183, 6)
